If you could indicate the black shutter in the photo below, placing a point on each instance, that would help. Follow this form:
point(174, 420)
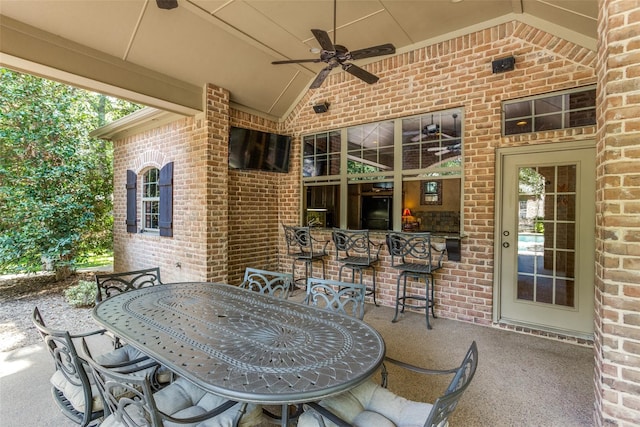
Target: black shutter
point(165, 222)
point(131, 202)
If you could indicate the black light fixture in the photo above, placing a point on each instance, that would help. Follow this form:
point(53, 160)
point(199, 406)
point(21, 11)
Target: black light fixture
point(503, 64)
point(167, 4)
point(321, 108)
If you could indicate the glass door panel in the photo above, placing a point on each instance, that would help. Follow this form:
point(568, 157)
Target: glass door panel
point(546, 234)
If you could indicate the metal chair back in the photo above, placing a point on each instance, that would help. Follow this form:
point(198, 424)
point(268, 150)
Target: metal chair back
point(267, 282)
point(300, 243)
point(130, 399)
point(120, 389)
point(354, 247)
point(343, 297)
point(67, 363)
point(114, 283)
point(413, 252)
point(444, 406)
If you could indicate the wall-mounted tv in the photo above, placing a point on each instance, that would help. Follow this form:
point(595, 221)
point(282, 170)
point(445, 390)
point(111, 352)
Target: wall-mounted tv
point(257, 150)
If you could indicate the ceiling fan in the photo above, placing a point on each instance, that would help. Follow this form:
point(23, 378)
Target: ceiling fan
point(335, 55)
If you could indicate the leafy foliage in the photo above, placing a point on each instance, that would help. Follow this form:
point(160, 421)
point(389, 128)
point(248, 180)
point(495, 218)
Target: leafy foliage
point(55, 180)
point(81, 295)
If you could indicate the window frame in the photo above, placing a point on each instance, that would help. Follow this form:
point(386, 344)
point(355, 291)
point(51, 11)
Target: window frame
point(396, 174)
point(146, 199)
point(532, 118)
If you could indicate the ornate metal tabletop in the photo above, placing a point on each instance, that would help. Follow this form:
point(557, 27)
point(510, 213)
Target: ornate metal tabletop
point(245, 346)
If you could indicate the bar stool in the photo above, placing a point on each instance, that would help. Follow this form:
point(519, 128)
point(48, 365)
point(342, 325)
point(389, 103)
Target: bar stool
point(411, 254)
point(356, 252)
point(304, 248)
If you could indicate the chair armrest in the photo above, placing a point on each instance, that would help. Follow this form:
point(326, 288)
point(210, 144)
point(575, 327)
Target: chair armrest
point(413, 368)
point(328, 414)
point(326, 243)
point(377, 247)
point(205, 416)
point(441, 251)
point(88, 334)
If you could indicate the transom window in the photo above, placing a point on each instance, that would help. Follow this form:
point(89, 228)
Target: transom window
point(560, 110)
point(150, 199)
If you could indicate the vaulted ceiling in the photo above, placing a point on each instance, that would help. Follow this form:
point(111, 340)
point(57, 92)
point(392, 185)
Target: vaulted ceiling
point(163, 58)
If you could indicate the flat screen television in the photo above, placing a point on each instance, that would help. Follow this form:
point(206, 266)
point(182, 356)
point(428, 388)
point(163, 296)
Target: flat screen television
point(257, 150)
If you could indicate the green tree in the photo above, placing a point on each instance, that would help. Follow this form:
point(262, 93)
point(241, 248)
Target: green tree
point(55, 181)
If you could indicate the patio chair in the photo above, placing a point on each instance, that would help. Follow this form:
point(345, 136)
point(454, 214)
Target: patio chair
point(115, 283)
point(371, 404)
point(412, 255)
point(72, 388)
point(302, 247)
point(343, 297)
point(267, 282)
point(356, 252)
point(130, 400)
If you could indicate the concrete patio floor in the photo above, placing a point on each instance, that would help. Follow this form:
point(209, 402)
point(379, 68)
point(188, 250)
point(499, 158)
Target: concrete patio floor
point(521, 380)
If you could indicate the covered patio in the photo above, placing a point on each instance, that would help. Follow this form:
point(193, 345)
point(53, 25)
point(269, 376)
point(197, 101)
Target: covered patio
point(214, 72)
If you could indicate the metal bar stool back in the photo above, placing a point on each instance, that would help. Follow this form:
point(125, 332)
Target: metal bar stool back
point(355, 251)
point(412, 254)
point(302, 247)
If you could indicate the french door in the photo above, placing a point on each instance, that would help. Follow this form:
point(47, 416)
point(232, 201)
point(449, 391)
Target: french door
point(545, 240)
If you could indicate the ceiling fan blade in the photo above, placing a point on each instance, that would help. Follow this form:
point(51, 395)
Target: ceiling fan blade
point(323, 39)
point(383, 49)
point(322, 75)
point(360, 73)
point(296, 61)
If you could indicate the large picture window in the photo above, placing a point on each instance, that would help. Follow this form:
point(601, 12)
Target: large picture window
point(376, 176)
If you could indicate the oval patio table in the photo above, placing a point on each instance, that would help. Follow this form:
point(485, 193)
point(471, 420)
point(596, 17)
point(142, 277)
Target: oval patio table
point(245, 346)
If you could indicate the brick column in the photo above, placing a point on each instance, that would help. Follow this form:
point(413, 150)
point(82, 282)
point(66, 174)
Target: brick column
point(617, 316)
point(217, 176)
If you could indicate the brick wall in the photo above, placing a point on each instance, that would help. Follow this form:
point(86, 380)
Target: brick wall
point(184, 143)
point(617, 322)
point(254, 210)
point(456, 73)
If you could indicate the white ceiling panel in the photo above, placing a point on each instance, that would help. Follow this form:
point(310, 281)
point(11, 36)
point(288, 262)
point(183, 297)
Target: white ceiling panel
point(231, 43)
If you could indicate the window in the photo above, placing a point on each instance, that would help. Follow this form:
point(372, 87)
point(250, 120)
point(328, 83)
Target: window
point(370, 180)
point(561, 110)
point(321, 155)
point(157, 201)
point(431, 193)
point(150, 200)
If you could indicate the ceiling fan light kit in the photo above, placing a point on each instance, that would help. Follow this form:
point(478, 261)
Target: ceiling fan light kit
point(167, 4)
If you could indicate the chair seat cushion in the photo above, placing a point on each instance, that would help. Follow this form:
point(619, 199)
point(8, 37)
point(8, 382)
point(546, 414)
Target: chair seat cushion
point(74, 393)
point(182, 399)
point(372, 405)
point(128, 353)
